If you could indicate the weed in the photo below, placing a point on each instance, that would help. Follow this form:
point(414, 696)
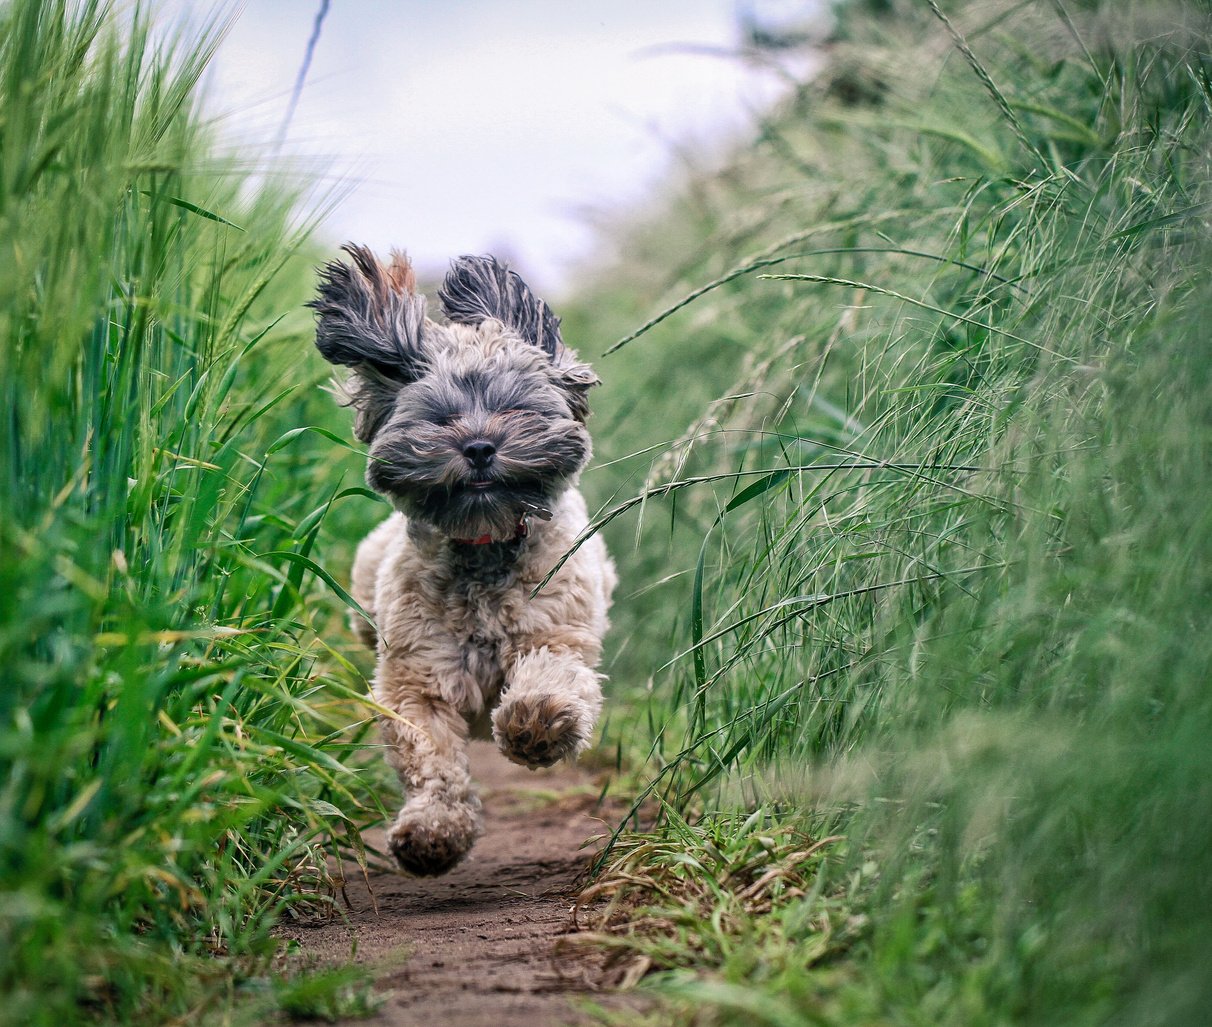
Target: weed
point(343, 993)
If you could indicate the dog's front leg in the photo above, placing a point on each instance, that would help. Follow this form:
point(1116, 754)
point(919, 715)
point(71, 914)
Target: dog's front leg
point(427, 746)
point(550, 707)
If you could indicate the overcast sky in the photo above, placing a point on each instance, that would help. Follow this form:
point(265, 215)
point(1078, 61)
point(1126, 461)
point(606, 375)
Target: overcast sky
point(489, 125)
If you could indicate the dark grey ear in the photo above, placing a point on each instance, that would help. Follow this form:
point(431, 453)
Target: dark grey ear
point(369, 315)
point(577, 379)
point(370, 319)
point(477, 288)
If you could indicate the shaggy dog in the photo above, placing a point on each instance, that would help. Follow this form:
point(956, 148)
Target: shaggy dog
point(477, 436)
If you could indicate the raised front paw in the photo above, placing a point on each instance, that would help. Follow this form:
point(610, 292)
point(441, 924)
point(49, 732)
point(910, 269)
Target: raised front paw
point(429, 838)
point(537, 731)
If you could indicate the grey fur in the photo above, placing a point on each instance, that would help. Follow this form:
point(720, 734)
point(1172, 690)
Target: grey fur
point(370, 320)
point(428, 395)
point(478, 288)
point(417, 457)
point(367, 320)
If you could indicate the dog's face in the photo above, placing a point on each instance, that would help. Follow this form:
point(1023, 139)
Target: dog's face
point(485, 435)
point(471, 425)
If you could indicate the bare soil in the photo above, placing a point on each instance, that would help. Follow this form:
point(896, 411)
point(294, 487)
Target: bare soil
point(485, 944)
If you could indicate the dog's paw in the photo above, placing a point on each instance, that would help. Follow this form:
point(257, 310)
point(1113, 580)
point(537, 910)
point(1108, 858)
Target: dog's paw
point(538, 731)
point(430, 839)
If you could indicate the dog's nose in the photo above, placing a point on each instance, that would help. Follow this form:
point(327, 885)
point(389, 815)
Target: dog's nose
point(479, 453)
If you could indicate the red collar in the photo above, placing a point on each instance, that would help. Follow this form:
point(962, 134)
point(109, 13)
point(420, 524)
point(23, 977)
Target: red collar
point(521, 532)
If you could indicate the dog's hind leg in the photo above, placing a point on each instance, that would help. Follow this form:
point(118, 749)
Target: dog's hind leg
point(550, 708)
point(427, 747)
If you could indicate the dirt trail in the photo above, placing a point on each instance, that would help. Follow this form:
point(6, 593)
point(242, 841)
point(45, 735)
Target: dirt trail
point(478, 946)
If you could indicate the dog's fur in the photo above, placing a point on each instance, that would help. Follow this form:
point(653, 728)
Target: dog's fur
point(477, 436)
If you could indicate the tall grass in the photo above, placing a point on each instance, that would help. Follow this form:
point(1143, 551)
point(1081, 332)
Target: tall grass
point(170, 763)
point(938, 558)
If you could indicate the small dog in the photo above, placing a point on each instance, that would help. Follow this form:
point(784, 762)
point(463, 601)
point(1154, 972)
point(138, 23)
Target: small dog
point(477, 437)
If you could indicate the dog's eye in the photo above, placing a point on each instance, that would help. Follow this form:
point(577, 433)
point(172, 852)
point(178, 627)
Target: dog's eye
point(444, 420)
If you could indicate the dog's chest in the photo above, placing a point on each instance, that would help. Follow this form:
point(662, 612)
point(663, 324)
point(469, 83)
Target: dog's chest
point(480, 654)
point(476, 600)
point(483, 631)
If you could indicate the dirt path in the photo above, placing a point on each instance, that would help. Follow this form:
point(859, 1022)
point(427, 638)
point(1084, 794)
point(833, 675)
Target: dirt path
point(479, 945)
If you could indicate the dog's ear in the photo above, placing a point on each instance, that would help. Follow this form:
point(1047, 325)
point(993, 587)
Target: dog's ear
point(370, 319)
point(577, 379)
point(477, 288)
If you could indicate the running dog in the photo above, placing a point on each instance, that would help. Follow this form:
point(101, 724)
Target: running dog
point(476, 434)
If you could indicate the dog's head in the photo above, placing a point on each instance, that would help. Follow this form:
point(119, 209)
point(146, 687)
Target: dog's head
point(472, 424)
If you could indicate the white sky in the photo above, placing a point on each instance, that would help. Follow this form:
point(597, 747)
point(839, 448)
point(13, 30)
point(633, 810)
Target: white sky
point(472, 126)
